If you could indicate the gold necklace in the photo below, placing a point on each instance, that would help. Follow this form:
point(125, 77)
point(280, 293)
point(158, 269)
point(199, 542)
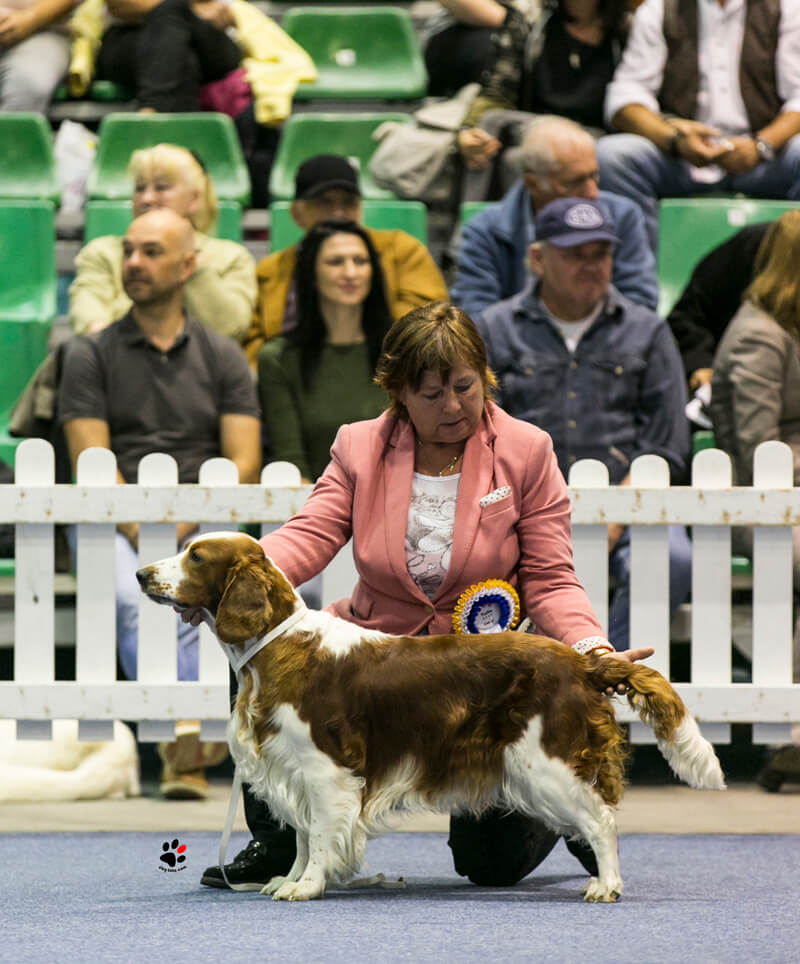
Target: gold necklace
point(450, 465)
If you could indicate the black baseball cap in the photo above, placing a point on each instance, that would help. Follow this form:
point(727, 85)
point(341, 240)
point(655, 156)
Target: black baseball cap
point(323, 172)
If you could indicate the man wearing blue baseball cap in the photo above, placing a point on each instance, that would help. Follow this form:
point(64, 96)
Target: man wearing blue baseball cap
point(601, 374)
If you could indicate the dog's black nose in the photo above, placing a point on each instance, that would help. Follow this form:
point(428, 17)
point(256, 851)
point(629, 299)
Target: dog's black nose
point(142, 575)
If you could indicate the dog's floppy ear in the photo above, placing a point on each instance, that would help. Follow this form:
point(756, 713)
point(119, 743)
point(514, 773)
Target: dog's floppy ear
point(244, 610)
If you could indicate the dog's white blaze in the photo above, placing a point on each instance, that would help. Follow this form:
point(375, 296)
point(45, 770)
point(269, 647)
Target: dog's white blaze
point(692, 757)
point(170, 573)
point(545, 787)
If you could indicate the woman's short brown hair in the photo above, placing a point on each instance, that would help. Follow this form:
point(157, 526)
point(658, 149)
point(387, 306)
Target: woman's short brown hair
point(775, 287)
point(434, 338)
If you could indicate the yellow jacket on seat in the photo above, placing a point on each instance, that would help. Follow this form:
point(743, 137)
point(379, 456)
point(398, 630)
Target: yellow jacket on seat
point(274, 64)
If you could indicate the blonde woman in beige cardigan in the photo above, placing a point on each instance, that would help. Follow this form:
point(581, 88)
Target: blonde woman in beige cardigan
point(755, 397)
point(222, 291)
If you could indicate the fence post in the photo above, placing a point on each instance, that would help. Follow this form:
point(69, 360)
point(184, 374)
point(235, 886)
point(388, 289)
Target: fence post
point(711, 589)
point(772, 587)
point(157, 649)
point(590, 542)
point(649, 616)
point(212, 661)
point(650, 569)
point(95, 596)
point(34, 598)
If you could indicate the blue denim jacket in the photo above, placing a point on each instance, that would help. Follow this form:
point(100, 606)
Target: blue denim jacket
point(621, 395)
point(493, 254)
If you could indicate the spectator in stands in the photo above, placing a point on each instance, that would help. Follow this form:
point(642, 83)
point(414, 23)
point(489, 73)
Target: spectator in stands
point(34, 52)
point(168, 51)
point(559, 160)
point(319, 375)
point(711, 298)
point(599, 373)
point(159, 381)
point(708, 97)
point(326, 186)
point(221, 291)
point(559, 64)
point(755, 397)
point(457, 40)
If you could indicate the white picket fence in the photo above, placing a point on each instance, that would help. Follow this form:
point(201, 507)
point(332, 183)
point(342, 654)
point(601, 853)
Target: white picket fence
point(96, 503)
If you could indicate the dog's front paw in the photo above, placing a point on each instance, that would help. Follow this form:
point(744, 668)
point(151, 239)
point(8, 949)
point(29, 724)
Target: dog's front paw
point(273, 885)
point(598, 893)
point(306, 889)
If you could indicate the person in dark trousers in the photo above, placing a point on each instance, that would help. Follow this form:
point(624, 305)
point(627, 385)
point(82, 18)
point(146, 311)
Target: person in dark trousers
point(711, 298)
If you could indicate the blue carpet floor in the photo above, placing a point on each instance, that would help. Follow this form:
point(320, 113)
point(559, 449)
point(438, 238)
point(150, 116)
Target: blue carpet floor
point(109, 897)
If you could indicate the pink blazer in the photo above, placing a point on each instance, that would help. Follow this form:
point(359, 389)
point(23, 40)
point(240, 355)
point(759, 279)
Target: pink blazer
point(523, 538)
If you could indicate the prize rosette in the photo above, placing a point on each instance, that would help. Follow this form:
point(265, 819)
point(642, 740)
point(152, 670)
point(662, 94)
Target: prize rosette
point(491, 606)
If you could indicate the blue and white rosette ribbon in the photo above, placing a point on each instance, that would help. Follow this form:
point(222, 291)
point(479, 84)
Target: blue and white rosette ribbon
point(491, 606)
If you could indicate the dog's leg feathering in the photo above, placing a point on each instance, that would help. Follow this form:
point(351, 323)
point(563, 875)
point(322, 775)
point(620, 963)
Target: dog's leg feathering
point(546, 787)
point(335, 843)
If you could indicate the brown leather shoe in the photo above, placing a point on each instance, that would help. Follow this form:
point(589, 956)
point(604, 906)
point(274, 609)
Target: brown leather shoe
point(191, 785)
point(184, 762)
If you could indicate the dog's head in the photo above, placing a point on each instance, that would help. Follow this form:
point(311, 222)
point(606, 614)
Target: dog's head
point(227, 576)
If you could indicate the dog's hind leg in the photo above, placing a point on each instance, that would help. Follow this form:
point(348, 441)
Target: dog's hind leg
point(545, 787)
point(297, 868)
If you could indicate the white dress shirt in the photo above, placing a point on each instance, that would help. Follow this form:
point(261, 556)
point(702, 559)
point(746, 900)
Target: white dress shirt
point(638, 78)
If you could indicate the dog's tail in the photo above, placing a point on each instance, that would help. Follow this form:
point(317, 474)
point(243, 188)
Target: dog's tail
point(682, 744)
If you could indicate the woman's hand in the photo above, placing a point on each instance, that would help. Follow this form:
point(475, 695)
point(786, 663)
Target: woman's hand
point(217, 13)
point(632, 656)
point(16, 25)
point(190, 614)
point(477, 147)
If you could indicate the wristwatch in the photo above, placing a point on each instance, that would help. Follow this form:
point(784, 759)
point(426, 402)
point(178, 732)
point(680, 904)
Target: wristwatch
point(766, 152)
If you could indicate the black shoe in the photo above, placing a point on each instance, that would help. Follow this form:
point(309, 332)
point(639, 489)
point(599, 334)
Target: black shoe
point(584, 853)
point(252, 868)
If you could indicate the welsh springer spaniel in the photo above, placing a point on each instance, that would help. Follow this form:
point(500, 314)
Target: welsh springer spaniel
point(337, 727)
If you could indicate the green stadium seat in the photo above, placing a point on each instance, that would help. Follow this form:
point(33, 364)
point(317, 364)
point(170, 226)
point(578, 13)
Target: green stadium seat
point(409, 216)
point(213, 136)
point(702, 439)
point(101, 91)
point(305, 135)
point(469, 208)
point(27, 164)
point(27, 300)
point(113, 217)
point(688, 228)
point(359, 52)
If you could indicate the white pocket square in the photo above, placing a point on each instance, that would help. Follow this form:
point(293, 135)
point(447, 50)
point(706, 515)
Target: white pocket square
point(495, 496)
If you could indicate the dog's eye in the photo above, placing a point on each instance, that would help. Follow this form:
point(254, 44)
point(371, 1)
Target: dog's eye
point(194, 556)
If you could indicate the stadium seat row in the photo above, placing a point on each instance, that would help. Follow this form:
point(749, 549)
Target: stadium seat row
point(361, 53)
